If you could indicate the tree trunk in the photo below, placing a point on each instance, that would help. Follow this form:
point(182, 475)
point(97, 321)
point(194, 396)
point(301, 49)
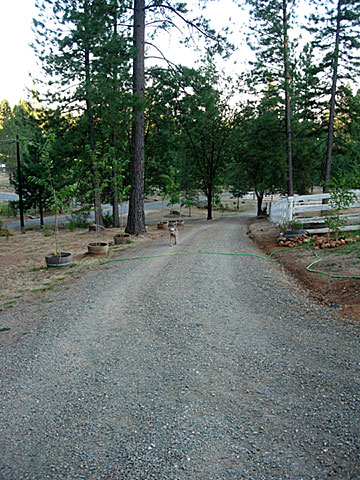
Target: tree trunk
point(259, 197)
point(41, 210)
point(287, 102)
point(115, 200)
point(20, 192)
point(209, 202)
point(330, 138)
point(136, 215)
point(90, 117)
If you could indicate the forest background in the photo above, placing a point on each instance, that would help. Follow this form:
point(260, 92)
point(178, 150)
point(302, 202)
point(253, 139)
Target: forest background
point(113, 117)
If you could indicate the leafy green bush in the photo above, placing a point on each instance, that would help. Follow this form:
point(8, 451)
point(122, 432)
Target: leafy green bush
point(340, 200)
point(5, 232)
point(78, 220)
point(108, 220)
point(47, 231)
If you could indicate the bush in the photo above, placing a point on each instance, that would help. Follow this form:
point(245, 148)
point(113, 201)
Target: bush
point(108, 220)
point(5, 232)
point(78, 220)
point(47, 230)
point(340, 200)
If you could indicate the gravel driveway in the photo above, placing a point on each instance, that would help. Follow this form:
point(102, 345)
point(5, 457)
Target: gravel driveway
point(180, 367)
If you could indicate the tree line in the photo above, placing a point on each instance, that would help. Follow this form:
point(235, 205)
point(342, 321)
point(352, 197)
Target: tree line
point(290, 120)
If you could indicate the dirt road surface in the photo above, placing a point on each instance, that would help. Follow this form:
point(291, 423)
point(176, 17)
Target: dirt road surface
point(180, 367)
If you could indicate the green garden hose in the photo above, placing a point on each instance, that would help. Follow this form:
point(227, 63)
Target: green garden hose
point(200, 252)
point(333, 275)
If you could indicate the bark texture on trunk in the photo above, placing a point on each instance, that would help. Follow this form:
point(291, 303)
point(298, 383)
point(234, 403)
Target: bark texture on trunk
point(115, 200)
point(287, 102)
point(209, 203)
point(259, 198)
point(91, 128)
point(136, 216)
point(41, 210)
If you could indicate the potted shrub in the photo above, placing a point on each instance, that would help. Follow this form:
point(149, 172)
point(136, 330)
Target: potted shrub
point(122, 238)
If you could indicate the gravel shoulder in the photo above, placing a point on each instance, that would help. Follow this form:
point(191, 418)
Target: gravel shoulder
point(181, 367)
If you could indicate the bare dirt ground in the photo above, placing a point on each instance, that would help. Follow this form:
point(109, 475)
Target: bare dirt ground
point(339, 293)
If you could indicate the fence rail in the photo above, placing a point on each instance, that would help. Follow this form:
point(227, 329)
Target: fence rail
point(311, 212)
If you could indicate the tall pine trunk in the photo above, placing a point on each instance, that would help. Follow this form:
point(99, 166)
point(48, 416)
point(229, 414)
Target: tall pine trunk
point(330, 139)
point(259, 198)
point(136, 216)
point(115, 200)
point(287, 102)
point(91, 129)
point(209, 202)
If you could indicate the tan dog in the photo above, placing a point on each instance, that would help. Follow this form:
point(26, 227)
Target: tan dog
point(173, 235)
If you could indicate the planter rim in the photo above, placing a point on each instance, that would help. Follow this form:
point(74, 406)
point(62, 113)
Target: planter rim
point(61, 254)
point(63, 259)
point(294, 233)
point(98, 244)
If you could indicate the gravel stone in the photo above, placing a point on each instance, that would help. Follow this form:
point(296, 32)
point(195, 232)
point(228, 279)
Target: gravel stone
point(181, 367)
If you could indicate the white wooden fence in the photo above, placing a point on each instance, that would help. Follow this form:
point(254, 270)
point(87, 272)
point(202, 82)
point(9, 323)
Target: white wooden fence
point(309, 210)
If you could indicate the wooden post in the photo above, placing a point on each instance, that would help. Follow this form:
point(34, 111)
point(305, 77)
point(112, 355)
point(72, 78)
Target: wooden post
point(21, 205)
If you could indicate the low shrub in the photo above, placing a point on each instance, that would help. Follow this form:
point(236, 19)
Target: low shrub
point(108, 220)
point(78, 220)
point(47, 230)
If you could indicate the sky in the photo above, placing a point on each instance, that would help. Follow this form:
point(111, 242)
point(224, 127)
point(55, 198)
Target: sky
point(18, 59)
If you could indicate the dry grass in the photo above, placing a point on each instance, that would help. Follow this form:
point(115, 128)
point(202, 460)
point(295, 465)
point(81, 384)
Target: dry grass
point(22, 260)
point(5, 184)
point(24, 276)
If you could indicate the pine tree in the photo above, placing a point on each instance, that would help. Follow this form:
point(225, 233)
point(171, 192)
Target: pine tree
point(336, 29)
point(269, 38)
point(165, 13)
point(71, 37)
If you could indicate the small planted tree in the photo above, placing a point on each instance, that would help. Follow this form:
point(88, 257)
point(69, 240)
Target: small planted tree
point(58, 200)
point(189, 200)
point(341, 199)
point(170, 188)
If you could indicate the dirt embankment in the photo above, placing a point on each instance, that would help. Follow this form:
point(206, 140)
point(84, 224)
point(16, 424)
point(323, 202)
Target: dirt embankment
point(339, 293)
